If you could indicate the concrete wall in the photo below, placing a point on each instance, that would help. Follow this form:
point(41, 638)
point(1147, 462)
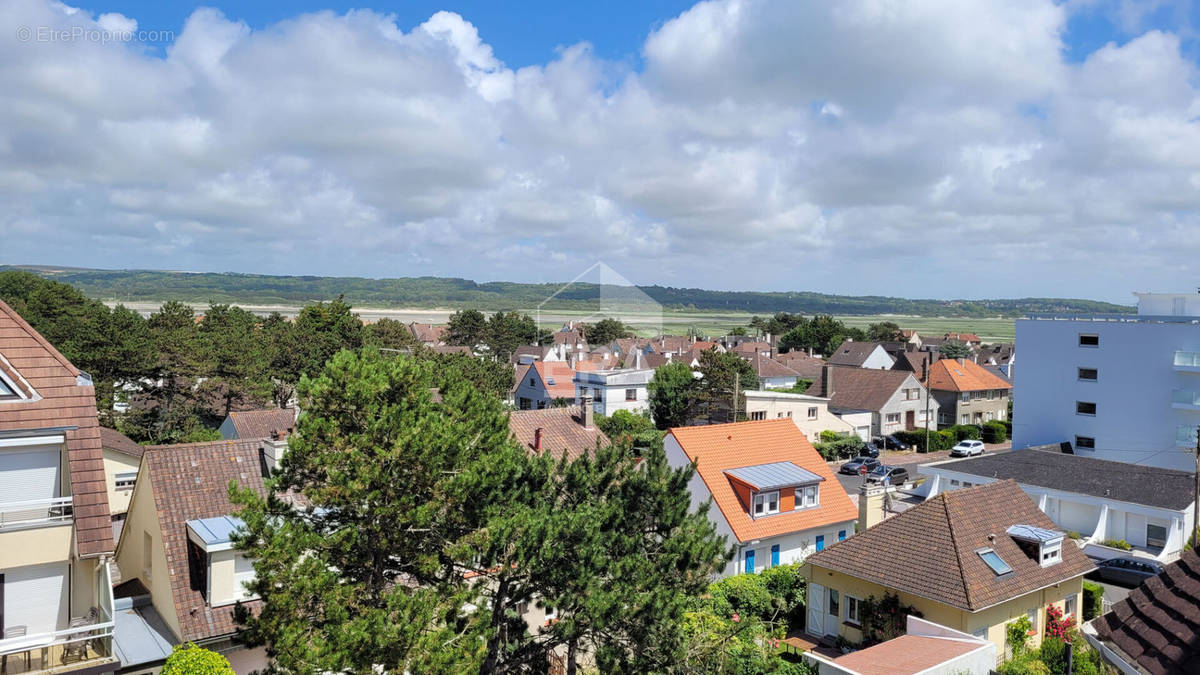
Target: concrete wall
point(115, 463)
point(1135, 420)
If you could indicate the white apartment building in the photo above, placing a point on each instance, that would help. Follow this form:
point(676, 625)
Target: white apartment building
point(810, 413)
point(1118, 387)
point(613, 390)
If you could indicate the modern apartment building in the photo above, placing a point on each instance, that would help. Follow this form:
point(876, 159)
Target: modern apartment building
point(1121, 387)
point(56, 543)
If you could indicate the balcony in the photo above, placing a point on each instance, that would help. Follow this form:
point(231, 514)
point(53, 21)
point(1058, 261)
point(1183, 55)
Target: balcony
point(36, 513)
point(1185, 436)
point(84, 644)
point(1185, 399)
point(1187, 362)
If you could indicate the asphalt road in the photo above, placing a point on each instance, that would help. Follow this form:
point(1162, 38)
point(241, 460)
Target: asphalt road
point(908, 460)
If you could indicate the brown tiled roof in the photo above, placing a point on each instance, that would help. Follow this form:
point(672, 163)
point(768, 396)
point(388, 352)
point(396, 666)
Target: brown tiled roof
point(963, 337)
point(111, 439)
point(953, 375)
point(718, 447)
point(426, 332)
point(905, 655)
point(451, 349)
point(930, 550)
point(808, 367)
point(65, 400)
point(765, 366)
point(671, 343)
point(859, 388)
point(752, 346)
point(561, 431)
point(913, 362)
point(261, 423)
point(851, 353)
point(191, 482)
point(568, 337)
point(1157, 626)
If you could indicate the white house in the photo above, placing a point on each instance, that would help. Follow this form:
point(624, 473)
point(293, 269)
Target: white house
point(1148, 507)
point(1120, 387)
point(613, 390)
point(810, 413)
point(773, 497)
point(870, 355)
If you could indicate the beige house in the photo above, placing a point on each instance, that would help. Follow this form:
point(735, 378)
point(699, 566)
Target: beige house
point(973, 560)
point(56, 605)
point(967, 393)
point(810, 413)
point(122, 457)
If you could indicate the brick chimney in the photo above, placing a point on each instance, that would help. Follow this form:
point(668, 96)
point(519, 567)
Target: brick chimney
point(537, 439)
point(586, 414)
point(827, 376)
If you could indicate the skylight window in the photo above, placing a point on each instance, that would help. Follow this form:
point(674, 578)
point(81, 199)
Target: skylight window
point(994, 561)
point(6, 391)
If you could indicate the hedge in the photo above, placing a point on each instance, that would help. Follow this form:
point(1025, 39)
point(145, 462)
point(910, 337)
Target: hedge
point(966, 432)
point(843, 448)
point(938, 440)
point(994, 432)
point(1093, 596)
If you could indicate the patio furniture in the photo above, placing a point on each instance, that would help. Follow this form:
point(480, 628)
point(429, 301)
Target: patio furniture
point(14, 632)
point(76, 648)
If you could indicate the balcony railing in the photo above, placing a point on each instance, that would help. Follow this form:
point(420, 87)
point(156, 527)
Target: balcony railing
point(1185, 398)
point(1185, 436)
point(76, 647)
point(1187, 361)
point(36, 513)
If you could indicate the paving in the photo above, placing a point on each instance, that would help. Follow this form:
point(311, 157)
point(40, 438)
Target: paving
point(907, 459)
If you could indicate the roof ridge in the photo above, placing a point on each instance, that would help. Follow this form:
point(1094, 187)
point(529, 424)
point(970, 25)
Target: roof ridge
point(38, 337)
point(958, 558)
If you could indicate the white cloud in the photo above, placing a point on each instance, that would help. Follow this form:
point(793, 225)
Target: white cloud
point(917, 148)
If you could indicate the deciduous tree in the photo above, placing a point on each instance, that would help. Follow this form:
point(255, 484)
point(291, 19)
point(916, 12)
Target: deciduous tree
point(671, 395)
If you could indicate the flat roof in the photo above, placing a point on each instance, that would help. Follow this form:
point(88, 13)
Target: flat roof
point(774, 475)
point(214, 534)
point(140, 636)
point(906, 655)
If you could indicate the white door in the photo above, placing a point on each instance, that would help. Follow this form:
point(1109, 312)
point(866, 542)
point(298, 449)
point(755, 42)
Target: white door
point(36, 597)
point(816, 610)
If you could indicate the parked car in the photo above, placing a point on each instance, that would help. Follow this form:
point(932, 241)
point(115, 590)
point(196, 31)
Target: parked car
point(1126, 571)
point(894, 475)
point(967, 448)
point(854, 466)
point(869, 450)
point(890, 442)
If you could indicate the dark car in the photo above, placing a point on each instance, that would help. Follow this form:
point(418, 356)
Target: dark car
point(890, 442)
point(869, 450)
point(893, 475)
point(855, 465)
point(1126, 571)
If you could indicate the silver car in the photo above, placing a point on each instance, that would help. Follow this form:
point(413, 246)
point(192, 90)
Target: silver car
point(967, 448)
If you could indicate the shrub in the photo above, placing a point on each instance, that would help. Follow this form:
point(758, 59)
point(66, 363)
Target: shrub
point(994, 432)
point(188, 659)
point(828, 436)
point(742, 594)
point(1056, 626)
point(884, 619)
point(965, 432)
point(1093, 600)
point(1018, 636)
point(843, 448)
point(1073, 535)
point(1007, 426)
point(938, 440)
point(1117, 543)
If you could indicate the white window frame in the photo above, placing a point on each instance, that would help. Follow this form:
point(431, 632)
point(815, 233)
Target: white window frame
point(124, 480)
point(758, 415)
point(853, 613)
point(888, 418)
point(808, 496)
point(1071, 604)
point(763, 499)
point(812, 413)
point(634, 393)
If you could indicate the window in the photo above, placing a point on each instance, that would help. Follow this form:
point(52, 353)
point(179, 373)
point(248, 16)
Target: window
point(758, 415)
point(1033, 617)
point(954, 482)
point(835, 605)
point(806, 496)
point(631, 394)
point(812, 413)
point(1051, 554)
point(912, 394)
point(1070, 603)
point(852, 610)
point(766, 503)
point(821, 547)
point(965, 397)
point(524, 403)
point(6, 391)
point(893, 418)
point(1085, 408)
point(147, 557)
point(1089, 340)
point(531, 382)
point(775, 555)
point(541, 405)
point(965, 419)
point(841, 535)
point(994, 561)
point(1085, 442)
point(1088, 374)
point(125, 480)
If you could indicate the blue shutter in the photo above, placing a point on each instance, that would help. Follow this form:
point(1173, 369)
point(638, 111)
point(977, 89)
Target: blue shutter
point(750, 561)
point(841, 535)
point(775, 555)
point(820, 542)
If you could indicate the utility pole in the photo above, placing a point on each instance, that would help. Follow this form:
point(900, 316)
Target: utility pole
point(1195, 496)
point(926, 373)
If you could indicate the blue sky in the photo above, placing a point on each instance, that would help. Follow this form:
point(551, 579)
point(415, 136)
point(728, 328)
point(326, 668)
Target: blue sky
point(921, 148)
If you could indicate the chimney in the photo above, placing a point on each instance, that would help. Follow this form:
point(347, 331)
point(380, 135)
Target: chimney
point(537, 439)
point(586, 414)
point(827, 376)
point(870, 505)
point(960, 361)
point(274, 448)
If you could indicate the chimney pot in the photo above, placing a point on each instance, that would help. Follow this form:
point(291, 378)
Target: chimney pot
point(537, 438)
point(586, 413)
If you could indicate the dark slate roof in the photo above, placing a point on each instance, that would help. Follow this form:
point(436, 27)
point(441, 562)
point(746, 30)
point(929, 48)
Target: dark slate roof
point(859, 388)
point(1048, 467)
point(931, 549)
point(1157, 626)
point(852, 353)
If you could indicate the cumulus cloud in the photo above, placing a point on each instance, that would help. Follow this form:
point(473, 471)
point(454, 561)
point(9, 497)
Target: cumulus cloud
point(919, 148)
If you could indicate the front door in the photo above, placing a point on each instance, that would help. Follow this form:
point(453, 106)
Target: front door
point(816, 610)
point(1156, 536)
point(749, 561)
point(910, 420)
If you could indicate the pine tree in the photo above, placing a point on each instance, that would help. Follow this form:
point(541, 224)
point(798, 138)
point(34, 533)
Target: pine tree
point(671, 390)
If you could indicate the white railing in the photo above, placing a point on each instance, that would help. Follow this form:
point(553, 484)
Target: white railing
point(1185, 436)
point(97, 635)
point(36, 512)
point(1185, 397)
point(1187, 359)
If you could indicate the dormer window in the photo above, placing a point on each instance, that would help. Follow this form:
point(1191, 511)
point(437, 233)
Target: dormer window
point(1044, 546)
point(766, 503)
point(9, 391)
point(808, 496)
point(220, 572)
point(766, 489)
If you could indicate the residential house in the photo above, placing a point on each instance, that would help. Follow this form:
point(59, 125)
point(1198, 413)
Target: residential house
point(894, 399)
point(557, 430)
point(917, 362)
point(807, 366)
point(771, 373)
point(1148, 507)
point(925, 648)
point(969, 339)
point(56, 609)
point(252, 424)
point(999, 355)
point(967, 393)
point(427, 333)
point(546, 381)
point(1156, 628)
point(750, 347)
point(613, 390)
point(176, 547)
point(810, 413)
point(773, 496)
point(1122, 387)
point(911, 337)
point(972, 560)
point(121, 459)
point(861, 355)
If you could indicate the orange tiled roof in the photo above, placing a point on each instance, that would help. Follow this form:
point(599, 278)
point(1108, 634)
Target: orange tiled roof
point(562, 374)
point(719, 447)
point(953, 375)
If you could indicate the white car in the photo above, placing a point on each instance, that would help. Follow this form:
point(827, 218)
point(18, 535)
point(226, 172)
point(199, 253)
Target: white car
point(967, 448)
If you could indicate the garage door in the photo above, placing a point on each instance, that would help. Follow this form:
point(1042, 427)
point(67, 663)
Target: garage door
point(36, 597)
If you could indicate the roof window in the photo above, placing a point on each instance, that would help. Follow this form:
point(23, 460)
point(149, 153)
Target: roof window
point(994, 561)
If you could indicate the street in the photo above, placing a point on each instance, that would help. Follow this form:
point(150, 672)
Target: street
point(907, 459)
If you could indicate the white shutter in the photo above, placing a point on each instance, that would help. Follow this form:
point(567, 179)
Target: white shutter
point(28, 474)
point(36, 597)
